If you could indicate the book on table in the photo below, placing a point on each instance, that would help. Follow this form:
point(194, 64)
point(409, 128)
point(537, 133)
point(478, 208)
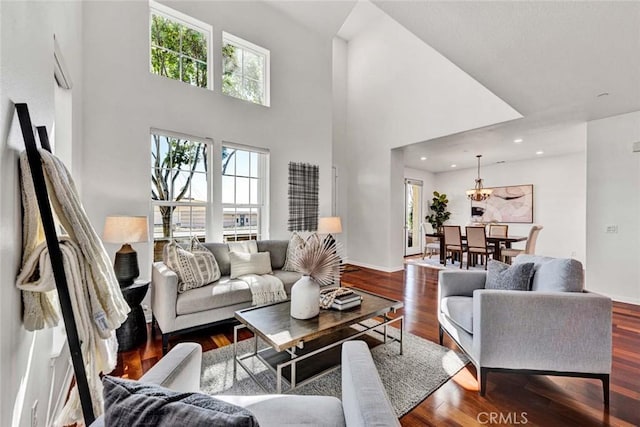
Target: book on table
point(345, 299)
point(347, 305)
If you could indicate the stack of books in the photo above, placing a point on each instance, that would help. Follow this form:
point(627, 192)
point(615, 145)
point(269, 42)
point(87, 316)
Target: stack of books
point(347, 301)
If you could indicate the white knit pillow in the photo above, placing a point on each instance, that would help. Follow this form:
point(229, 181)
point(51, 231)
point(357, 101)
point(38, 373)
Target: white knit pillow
point(194, 268)
point(245, 263)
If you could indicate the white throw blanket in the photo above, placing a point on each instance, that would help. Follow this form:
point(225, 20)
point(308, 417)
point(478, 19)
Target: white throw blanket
point(98, 306)
point(265, 288)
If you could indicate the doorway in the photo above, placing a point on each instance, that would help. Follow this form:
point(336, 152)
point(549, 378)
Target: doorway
point(412, 217)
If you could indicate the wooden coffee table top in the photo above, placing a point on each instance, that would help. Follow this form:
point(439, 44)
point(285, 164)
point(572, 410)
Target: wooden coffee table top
point(275, 325)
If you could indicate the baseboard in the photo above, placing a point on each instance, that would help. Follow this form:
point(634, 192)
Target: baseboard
point(377, 267)
point(618, 298)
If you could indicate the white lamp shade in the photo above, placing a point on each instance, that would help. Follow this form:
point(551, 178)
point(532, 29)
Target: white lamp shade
point(329, 225)
point(125, 229)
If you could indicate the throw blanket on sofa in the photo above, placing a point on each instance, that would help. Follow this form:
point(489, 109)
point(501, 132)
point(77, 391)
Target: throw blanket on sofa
point(98, 305)
point(265, 288)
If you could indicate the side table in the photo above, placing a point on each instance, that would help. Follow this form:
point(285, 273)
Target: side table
point(133, 331)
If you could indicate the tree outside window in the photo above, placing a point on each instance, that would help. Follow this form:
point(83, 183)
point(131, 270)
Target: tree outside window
point(245, 70)
point(179, 189)
point(179, 50)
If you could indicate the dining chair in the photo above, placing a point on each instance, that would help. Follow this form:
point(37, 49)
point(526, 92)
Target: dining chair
point(453, 242)
point(529, 248)
point(477, 245)
point(498, 230)
point(431, 244)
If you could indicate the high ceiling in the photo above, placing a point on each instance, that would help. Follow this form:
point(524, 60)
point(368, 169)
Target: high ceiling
point(548, 59)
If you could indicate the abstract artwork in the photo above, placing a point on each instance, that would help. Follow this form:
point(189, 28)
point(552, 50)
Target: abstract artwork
point(506, 204)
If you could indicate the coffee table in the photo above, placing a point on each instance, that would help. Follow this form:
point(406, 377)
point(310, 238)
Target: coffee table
point(299, 351)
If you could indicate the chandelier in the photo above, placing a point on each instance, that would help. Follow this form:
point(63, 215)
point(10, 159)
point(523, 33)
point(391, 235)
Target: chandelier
point(479, 193)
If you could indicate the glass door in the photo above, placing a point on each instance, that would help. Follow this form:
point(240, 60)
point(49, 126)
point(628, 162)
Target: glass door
point(413, 239)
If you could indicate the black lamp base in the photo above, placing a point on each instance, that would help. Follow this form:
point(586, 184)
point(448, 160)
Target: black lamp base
point(126, 265)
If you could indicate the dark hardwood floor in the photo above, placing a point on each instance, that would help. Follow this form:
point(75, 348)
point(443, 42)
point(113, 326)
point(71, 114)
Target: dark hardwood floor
point(510, 400)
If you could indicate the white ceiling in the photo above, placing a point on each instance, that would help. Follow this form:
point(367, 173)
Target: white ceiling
point(549, 60)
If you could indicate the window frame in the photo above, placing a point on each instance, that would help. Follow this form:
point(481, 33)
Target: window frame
point(262, 205)
point(209, 173)
point(257, 50)
point(189, 22)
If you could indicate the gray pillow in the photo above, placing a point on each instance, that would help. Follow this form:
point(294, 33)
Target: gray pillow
point(515, 277)
point(132, 403)
point(554, 274)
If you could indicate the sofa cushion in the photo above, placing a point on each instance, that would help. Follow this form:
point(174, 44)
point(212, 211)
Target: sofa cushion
point(291, 410)
point(222, 293)
point(288, 278)
point(247, 246)
point(277, 249)
point(459, 310)
point(554, 274)
point(515, 277)
point(221, 252)
point(194, 268)
point(247, 263)
point(133, 403)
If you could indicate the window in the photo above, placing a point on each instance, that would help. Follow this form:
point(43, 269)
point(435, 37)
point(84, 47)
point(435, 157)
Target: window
point(180, 46)
point(244, 172)
point(245, 68)
point(179, 187)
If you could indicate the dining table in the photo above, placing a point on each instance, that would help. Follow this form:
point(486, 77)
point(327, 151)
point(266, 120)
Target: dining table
point(496, 241)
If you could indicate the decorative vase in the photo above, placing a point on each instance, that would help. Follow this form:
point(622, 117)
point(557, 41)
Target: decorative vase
point(305, 298)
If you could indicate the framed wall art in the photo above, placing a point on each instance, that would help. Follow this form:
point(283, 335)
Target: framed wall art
point(507, 204)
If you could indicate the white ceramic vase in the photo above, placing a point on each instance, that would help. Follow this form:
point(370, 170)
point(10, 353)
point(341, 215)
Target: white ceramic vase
point(305, 298)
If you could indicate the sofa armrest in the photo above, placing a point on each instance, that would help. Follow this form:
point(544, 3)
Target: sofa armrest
point(459, 283)
point(164, 296)
point(554, 331)
point(364, 399)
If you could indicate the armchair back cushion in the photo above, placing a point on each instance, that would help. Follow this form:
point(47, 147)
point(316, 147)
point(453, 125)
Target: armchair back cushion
point(554, 274)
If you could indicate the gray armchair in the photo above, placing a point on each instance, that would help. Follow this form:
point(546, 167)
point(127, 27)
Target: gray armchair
point(555, 329)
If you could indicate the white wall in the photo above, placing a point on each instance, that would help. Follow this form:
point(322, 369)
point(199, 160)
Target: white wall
point(339, 128)
point(613, 198)
point(124, 100)
point(400, 91)
point(559, 199)
point(26, 75)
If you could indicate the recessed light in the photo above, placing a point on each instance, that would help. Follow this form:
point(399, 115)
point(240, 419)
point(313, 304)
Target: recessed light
point(453, 166)
point(423, 158)
point(600, 95)
point(539, 153)
point(517, 140)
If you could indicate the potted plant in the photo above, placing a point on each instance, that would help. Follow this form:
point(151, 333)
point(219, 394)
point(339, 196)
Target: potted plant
point(439, 214)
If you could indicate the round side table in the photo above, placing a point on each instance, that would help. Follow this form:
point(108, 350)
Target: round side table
point(133, 331)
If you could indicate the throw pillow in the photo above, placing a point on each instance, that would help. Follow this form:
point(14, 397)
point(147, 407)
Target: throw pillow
point(245, 263)
point(194, 268)
point(132, 403)
point(296, 244)
point(515, 277)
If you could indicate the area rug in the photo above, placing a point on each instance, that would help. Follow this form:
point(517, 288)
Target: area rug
point(435, 263)
point(408, 378)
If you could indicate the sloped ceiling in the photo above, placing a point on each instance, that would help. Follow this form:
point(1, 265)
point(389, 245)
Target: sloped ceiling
point(547, 59)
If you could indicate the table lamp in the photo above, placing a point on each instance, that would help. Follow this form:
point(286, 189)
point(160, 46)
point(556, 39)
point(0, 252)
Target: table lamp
point(126, 230)
point(329, 225)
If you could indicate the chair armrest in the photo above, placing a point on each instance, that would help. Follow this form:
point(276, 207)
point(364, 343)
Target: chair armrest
point(364, 399)
point(179, 369)
point(164, 295)
point(459, 283)
point(554, 331)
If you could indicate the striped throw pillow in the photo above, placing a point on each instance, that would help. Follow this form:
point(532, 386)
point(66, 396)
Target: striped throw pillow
point(195, 268)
